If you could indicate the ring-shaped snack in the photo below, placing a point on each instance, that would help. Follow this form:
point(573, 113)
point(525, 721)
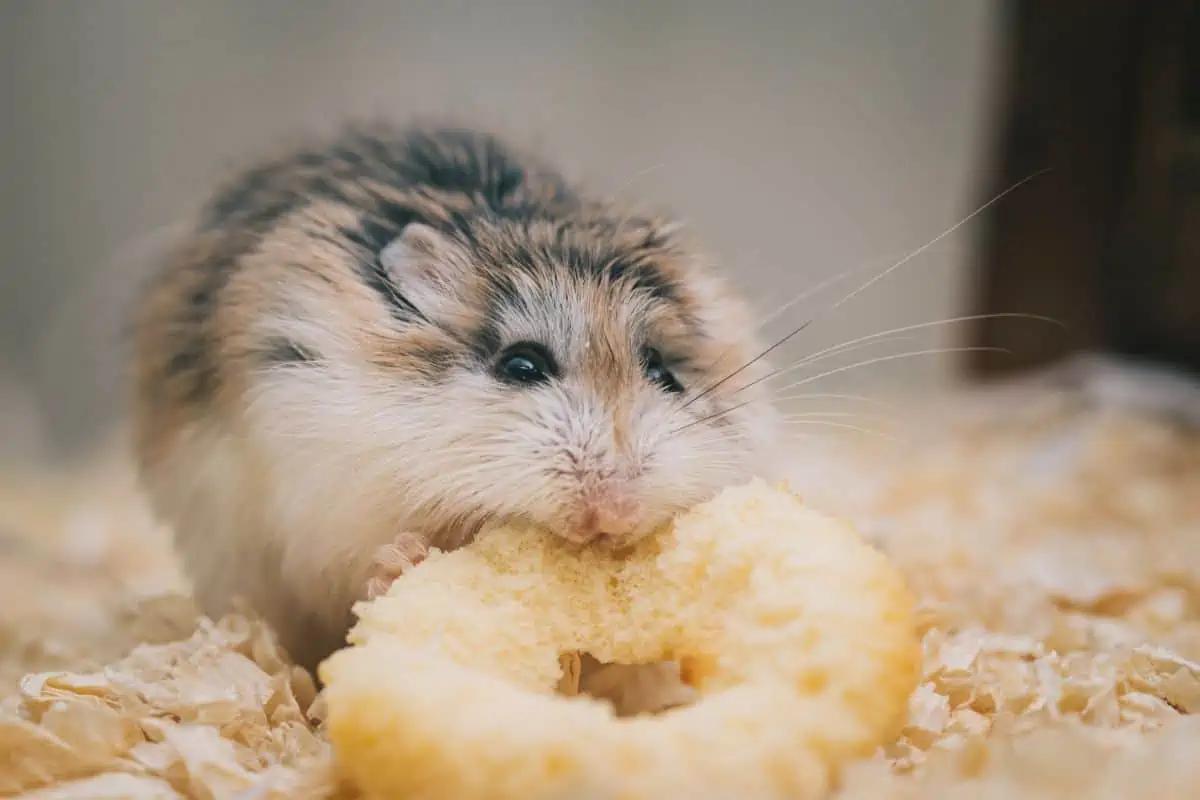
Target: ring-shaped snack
point(798, 635)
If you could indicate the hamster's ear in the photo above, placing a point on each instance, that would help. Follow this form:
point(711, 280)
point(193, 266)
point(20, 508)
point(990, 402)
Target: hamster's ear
point(420, 251)
point(425, 266)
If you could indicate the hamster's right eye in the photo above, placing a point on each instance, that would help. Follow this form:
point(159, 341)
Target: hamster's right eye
point(526, 363)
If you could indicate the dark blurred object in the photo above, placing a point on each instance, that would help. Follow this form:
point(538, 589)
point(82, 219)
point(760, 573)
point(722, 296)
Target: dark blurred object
point(1107, 96)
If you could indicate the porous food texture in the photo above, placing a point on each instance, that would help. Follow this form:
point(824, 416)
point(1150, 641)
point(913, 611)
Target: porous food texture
point(799, 636)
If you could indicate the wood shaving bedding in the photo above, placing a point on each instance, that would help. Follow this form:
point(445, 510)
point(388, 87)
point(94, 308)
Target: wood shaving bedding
point(1055, 547)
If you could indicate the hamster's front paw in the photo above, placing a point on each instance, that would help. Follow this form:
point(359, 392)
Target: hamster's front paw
point(393, 560)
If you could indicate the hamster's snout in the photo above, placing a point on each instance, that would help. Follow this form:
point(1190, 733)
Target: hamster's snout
point(610, 511)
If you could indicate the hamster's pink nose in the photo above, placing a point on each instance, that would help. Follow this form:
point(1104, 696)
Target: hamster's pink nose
point(607, 514)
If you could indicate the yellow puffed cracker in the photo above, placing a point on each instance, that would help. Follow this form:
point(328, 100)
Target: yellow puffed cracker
point(798, 635)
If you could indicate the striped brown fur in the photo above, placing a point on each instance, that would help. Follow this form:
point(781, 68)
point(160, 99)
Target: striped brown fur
point(299, 399)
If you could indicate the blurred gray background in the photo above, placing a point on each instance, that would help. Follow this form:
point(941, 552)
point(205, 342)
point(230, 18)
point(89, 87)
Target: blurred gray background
point(798, 138)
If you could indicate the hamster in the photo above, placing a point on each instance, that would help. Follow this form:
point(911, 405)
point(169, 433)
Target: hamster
point(375, 342)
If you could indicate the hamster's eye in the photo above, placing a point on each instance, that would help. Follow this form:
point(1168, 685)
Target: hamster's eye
point(526, 363)
point(657, 372)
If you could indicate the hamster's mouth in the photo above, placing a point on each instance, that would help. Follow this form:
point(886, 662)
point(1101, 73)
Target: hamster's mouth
point(609, 542)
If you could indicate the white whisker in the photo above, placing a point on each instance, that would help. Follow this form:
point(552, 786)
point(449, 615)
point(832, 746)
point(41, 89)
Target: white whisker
point(910, 354)
point(807, 293)
point(880, 336)
point(839, 415)
point(932, 242)
point(844, 426)
point(836, 396)
point(870, 282)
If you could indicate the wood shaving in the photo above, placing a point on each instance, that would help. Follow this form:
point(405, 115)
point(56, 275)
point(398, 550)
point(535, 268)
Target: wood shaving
point(1056, 549)
point(209, 716)
point(1054, 543)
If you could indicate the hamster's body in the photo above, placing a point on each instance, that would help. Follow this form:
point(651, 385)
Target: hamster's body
point(385, 339)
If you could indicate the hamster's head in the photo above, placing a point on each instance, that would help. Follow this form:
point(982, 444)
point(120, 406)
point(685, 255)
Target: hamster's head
point(589, 376)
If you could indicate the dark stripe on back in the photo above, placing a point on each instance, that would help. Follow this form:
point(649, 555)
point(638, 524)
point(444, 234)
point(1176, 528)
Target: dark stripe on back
point(451, 160)
point(645, 277)
point(284, 351)
point(475, 165)
point(192, 360)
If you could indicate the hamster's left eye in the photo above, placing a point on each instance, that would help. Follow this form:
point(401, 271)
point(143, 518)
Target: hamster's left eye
point(526, 363)
point(657, 372)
